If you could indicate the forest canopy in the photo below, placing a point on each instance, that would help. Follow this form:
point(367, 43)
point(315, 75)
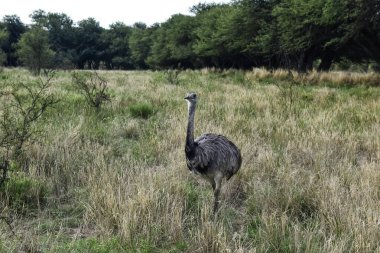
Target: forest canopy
point(291, 34)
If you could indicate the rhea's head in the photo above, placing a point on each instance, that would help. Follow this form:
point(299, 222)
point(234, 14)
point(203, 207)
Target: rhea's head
point(191, 98)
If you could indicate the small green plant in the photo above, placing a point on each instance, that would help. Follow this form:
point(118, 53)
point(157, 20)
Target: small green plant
point(192, 197)
point(180, 246)
point(94, 245)
point(141, 110)
point(21, 192)
point(93, 87)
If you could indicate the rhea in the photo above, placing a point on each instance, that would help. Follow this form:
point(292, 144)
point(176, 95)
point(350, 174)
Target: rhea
point(212, 156)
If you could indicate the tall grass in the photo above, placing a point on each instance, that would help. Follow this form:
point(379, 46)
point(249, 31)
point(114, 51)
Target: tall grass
point(342, 78)
point(309, 180)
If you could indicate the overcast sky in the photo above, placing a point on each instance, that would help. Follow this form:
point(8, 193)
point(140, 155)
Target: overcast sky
point(105, 12)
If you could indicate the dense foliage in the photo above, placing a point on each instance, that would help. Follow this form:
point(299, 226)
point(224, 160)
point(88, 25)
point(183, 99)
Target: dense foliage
point(295, 34)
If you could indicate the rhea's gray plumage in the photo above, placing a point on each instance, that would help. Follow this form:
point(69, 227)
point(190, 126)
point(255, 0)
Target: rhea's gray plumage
point(211, 155)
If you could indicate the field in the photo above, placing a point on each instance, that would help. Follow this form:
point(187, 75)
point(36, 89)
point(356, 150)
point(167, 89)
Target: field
point(115, 179)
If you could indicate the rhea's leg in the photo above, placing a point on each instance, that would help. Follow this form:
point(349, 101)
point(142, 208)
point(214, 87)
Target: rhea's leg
point(218, 182)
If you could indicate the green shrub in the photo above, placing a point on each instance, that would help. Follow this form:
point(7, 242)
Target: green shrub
point(141, 110)
point(93, 245)
point(192, 197)
point(23, 106)
point(93, 87)
point(22, 192)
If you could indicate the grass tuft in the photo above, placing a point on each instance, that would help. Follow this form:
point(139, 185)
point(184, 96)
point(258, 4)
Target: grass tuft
point(22, 193)
point(141, 110)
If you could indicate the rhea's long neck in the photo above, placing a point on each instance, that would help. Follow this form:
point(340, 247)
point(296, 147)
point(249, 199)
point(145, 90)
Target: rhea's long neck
point(190, 124)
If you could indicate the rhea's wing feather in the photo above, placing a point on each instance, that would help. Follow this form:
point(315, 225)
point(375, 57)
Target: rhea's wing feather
point(205, 151)
point(201, 159)
point(211, 150)
point(219, 151)
point(201, 154)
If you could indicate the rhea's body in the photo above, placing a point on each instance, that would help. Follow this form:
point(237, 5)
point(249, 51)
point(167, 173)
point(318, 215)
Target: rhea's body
point(213, 156)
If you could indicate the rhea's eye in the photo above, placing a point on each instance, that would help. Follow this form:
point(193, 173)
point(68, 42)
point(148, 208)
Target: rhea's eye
point(194, 95)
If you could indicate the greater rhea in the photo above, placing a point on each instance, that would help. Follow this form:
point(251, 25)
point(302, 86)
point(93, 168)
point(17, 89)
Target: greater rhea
point(212, 156)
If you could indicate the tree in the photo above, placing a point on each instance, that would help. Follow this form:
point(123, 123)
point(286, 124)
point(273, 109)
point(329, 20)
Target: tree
point(301, 34)
point(61, 35)
point(15, 28)
point(357, 29)
point(173, 42)
point(236, 30)
point(208, 46)
point(202, 7)
point(33, 49)
point(140, 44)
point(88, 44)
point(118, 53)
point(327, 30)
point(223, 35)
point(3, 38)
point(261, 31)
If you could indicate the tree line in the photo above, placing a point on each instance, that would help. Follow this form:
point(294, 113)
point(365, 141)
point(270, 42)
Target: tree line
point(293, 34)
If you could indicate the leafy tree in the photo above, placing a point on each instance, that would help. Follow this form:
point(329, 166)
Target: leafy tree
point(263, 43)
point(236, 31)
point(224, 34)
point(3, 38)
point(118, 53)
point(210, 48)
point(356, 29)
point(33, 49)
point(327, 30)
point(301, 34)
point(202, 7)
point(140, 42)
point(61, 35)
point(173, 42)
point(90, 49)
point(15, 28)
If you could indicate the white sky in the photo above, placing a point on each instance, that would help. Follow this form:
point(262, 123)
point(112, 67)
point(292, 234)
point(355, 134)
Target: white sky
point(105, 12)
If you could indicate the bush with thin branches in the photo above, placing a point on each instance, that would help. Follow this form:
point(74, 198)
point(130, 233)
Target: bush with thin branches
point(23, 104)
point(93, 87)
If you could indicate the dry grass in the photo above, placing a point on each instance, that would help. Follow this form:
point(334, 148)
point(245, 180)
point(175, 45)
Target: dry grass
point(309, 181)
point(342, 78)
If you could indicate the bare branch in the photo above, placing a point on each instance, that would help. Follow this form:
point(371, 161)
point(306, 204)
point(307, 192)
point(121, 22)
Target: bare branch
point(22, 111)
point(93, 87)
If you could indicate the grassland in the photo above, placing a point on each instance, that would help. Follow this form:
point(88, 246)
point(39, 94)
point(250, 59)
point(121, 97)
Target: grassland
point(115, 180)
